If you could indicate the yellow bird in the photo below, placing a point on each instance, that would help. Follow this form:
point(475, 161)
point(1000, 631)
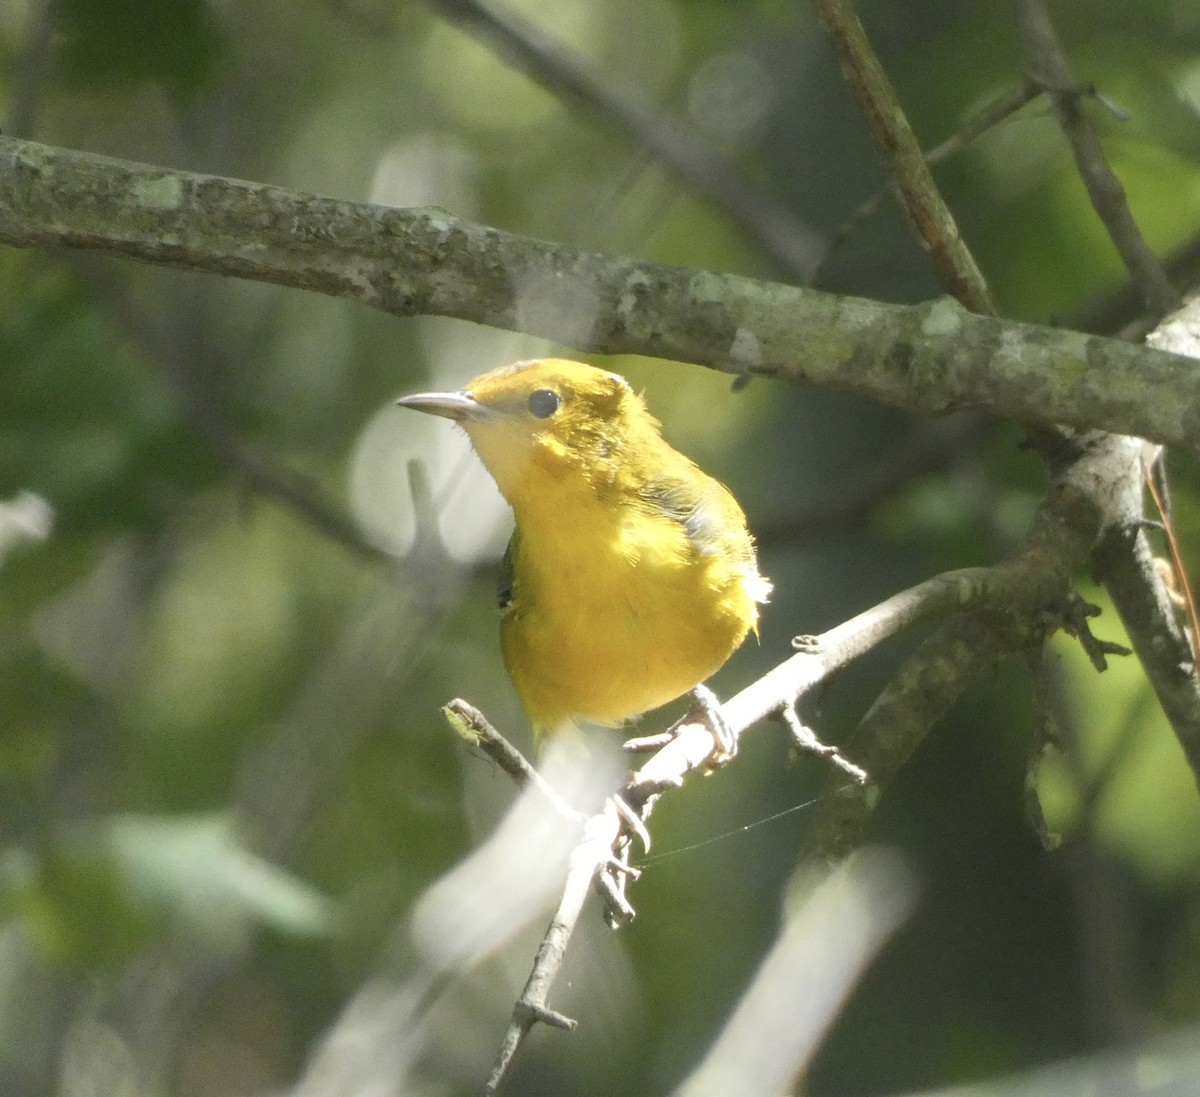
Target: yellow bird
point(631, 576)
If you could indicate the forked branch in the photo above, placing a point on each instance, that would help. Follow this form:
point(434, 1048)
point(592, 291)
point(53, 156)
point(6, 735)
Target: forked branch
point(990, 612)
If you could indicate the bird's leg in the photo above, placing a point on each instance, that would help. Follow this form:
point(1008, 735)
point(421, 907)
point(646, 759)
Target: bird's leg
point(706, 710)
point(632, 820)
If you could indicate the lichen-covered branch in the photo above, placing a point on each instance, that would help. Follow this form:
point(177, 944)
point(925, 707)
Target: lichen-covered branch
point(927, 358)
point(1083, 506)
point(1129, 571)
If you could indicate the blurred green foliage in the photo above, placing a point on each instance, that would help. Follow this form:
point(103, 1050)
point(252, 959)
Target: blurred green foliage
point(222, 770)
point(175, 43)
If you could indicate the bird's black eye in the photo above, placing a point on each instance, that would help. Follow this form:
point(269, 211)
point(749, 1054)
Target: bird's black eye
point(543, 403)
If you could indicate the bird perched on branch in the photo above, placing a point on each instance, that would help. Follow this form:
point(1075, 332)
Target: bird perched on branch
point(631, 576)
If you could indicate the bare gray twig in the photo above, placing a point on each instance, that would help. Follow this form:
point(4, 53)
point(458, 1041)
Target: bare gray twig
point(477, 731)
point(994, 611)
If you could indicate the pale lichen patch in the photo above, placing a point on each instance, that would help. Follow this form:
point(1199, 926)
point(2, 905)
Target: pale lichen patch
point(704, 285)
point(158, 191)
point(944, 318)
point(746, 350)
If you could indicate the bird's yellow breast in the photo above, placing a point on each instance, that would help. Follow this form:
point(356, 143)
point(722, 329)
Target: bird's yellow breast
point(615, 607)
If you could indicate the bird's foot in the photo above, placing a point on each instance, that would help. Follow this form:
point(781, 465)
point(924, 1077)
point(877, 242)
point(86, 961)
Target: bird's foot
point(706, 710)
point(631, 820)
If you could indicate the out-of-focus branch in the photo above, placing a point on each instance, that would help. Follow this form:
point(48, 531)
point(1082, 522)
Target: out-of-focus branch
point(1122, 311)
point(31, 69)
point(930, 216)
point(1048, 67)
point(189, 373)
point(929, 358)
point(934, 447)
point(833, 925)
point(771, 225)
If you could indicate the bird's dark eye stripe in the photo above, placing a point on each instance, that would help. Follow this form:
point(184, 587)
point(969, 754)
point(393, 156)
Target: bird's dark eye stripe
point(543, 403)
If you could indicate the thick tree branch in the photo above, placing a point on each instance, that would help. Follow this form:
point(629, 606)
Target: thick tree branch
point(928, 358)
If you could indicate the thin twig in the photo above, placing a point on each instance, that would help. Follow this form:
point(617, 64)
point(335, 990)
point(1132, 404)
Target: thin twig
point(477, 731)
point(806, 741)
point(931, 218)
point(1121, 311)
point(773, 227)
point(587, 859)
point(928, 684)
point(1048, 67)
point(1019, 594)
point(988, 118)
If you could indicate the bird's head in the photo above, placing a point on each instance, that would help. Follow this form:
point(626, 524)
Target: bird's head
point(547, 417)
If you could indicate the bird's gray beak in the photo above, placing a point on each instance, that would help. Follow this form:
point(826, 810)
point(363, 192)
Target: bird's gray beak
point(458, 406)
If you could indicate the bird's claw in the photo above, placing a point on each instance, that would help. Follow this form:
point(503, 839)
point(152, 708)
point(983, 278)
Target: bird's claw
point(632, 821)
point(706, 710)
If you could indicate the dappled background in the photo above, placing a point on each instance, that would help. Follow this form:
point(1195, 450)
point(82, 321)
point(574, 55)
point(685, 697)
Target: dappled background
point(226, 792)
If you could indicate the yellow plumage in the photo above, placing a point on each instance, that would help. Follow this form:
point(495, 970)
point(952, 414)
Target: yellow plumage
point(632, 574)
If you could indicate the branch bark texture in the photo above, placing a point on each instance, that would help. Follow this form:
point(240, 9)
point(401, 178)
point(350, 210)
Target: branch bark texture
point(929, 358)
